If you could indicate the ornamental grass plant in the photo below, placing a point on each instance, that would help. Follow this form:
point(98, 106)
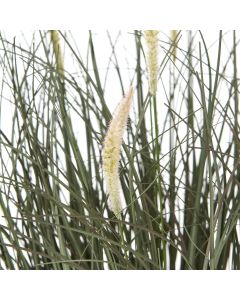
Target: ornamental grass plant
point(175, 172)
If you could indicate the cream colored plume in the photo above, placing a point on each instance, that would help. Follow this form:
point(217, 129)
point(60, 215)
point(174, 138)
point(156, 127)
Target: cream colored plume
point(111, 153)
point(55, 39)
point(151, 37)
point(174, 34)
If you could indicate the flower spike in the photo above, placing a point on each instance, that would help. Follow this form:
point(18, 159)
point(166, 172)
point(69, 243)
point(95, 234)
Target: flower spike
point(111, 152)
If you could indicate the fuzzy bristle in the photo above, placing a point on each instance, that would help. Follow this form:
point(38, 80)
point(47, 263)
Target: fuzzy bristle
point(151, 37)
point(111, 153)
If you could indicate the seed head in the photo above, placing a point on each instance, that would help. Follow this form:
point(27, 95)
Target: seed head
point(174, 41)
point(55, 39)
point(111, 153)
point(151, 37)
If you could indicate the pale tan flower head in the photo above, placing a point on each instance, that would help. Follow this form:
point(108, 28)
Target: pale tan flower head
point(55, 39)
point(111, 153)
point(174, 41)
point(151, 37)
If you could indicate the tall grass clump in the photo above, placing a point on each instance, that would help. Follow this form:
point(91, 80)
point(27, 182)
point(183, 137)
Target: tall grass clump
point(149, 183)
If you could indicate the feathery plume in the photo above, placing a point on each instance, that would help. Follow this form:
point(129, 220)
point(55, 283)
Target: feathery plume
point(111, 152)
point(151, 37)
point(55, 39)
point(173, 39)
